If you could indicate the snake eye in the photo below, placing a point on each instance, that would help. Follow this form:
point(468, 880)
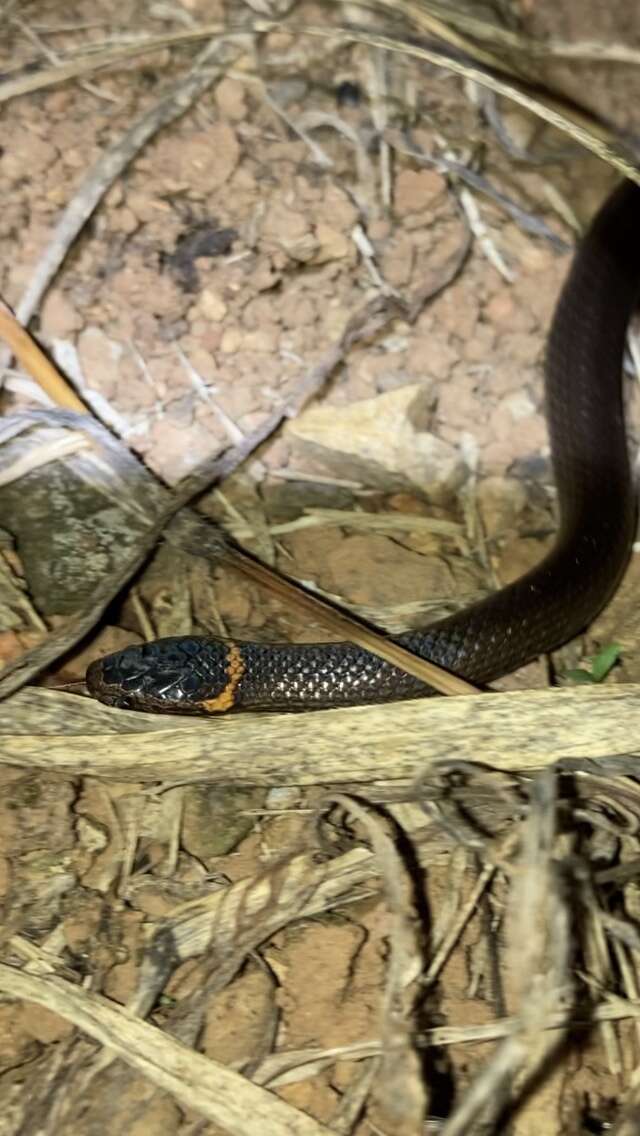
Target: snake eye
point(191, 683)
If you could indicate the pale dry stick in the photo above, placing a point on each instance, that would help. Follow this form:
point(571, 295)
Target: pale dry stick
point(17, 383)
point(368, 254)
point(38, 959)
point(393, 743)
point(313, 517)
point(629, 973)
point(249, 526)
point(476, 535)
point(65, 356)
point(225, 1098)
point(615, 1010)
point(481, 233)
point(354, 1098)
point(529, 222)
point(400, 1089)
point(53, 451)
point(54, 59)
point(316, 120)
point(233, 432)
point(290, 1066)
point(581, 126)
point(111, 867)
point(290, 473)
point(504, 38)
point(596, 951)
point(318, 155)
point(586, 50)
point(594, 137)
point(563, 207)
point(173, 801)
point(97, 59)
point(438, 23)
point(458, 925)
point(539, 951)
point(129, 810)
point(141, 615)
point(17, 588)
point(377, 66)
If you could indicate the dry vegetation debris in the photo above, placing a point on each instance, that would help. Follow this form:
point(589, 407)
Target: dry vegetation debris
point(212, 215)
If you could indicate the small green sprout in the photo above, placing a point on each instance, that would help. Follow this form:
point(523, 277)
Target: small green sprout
point(599, 665)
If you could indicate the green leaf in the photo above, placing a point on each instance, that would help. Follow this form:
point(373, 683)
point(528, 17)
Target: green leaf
point(599, 666)
point(604, 661)
point(580, 677)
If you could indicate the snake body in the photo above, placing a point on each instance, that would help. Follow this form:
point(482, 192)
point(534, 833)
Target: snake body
point(535, 614)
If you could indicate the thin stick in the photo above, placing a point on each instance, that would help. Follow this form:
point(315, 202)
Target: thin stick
point(225, 1098)
point(34, 360)
point(395, 742)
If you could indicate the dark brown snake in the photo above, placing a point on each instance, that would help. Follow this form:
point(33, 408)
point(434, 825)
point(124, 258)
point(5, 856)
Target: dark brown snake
point(538, 613)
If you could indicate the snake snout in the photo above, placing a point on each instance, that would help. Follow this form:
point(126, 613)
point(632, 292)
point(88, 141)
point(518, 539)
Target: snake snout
point(175, 675)
point(110, 678)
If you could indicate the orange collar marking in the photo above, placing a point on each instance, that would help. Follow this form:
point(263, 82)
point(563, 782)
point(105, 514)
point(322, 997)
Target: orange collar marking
point(235, 669)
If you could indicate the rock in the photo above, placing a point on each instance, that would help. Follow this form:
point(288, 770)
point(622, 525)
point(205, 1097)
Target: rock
point(26, 153)
point(398, 259)
point(521, 127)
point(232, 339)
point(501, 500)
point(373, 570)
point(286, 229)
point(379, 442)
point(212, 306)
point(70, 536)
point(230, 97)
point(216, 818)
point(263, 340)
point(332, 244)
point(519, 555)
point(99, 357)
point(59, 317)
point(200, 163)
point(239, 1018)
point(417, 190)
point(431, 356)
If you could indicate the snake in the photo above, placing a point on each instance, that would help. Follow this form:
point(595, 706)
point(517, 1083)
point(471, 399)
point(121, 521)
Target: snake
point(537, 613)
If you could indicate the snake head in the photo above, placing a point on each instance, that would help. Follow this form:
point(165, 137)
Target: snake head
point(176, 675)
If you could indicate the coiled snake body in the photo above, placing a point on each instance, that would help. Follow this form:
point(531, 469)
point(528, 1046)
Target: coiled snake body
point(535, 614)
